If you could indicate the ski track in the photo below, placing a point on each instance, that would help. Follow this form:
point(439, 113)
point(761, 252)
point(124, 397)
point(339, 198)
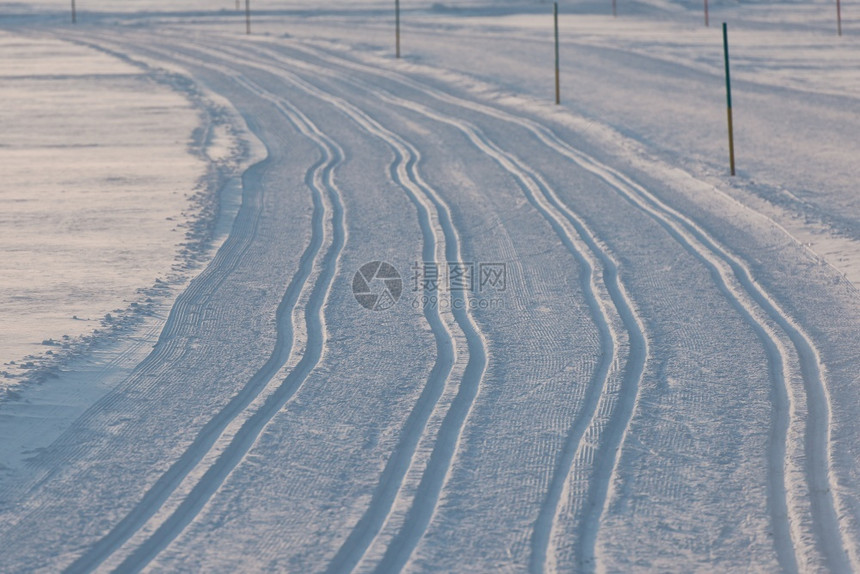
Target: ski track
point(585, 247)
point(802, 412)
point(572, 229)
point(185, 318)
point(436, 473)
point(245, 438)
point(698, 242)
point(404, 172)
point(441, 236)
point(360, 538)
point(318, 177)
point(792, 536)
point(438, 466)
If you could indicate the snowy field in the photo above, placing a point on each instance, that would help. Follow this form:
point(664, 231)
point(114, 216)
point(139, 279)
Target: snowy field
point(587, 347)
point(87, 220)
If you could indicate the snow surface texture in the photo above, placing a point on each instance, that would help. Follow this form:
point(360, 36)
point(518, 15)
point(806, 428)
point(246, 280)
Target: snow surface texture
point(667, 382)
point(95, 180)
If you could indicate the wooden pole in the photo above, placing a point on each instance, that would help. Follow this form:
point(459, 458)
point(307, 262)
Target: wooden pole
point(707, 24)
point(397, 28)
point(557, 73)
point(839, 17)
point(247, 16)
point(74, 15)
point(729, 98)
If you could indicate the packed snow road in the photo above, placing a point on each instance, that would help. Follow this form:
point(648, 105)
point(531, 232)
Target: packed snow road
point(450, 333)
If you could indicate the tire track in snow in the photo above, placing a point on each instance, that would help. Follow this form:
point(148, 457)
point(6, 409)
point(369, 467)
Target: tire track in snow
point(787, 505)
point(319, 180)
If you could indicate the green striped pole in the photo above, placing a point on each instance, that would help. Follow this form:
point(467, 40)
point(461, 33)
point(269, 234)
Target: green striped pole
point(397, 27)
point(729, 98)
point(557, 81)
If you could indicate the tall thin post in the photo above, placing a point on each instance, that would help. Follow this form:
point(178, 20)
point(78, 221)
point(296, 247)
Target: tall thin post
point(729, 98)
point(839, 17)
point(557, 82)
point(237, 6)
point(707, 23)
point(247, 16)
point(614, 9)
point(74, 15)
point(397, 27)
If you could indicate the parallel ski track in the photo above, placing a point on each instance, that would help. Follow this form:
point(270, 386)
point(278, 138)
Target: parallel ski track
point(403, 171)
point(571, 229)
point(447, 442)
point(585, 248)
point(620, 400)
point(735, 279)
point(319, 180)
point(184, 319)
point(245, 438)
point(191, 303)
point(589, 252)
point(438, 237)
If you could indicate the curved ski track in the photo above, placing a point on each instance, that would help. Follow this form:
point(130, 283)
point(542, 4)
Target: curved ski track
point(327, 205)
point(805, 516)
point(601, 395)
point(404, 171)
point(809, 430)
point(438, 230)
